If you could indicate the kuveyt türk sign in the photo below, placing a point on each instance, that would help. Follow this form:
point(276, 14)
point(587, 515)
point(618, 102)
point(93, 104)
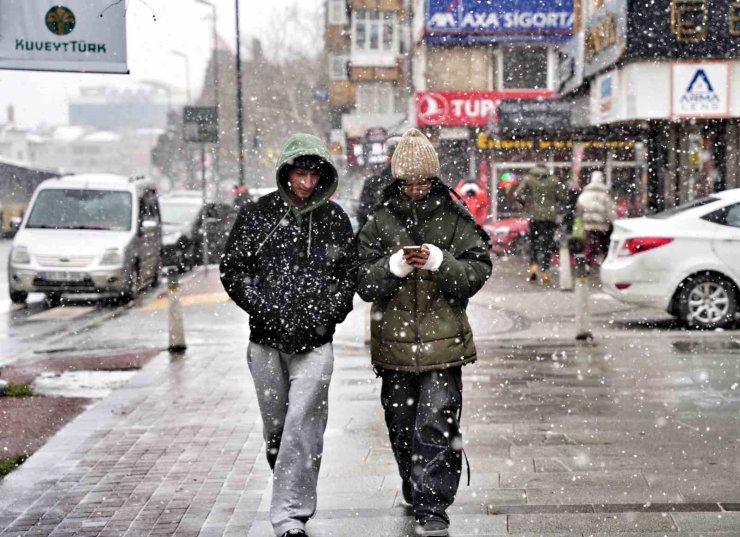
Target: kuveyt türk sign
point(71, 35)
point(465, 109)
point(455, 22)
point(700, 90)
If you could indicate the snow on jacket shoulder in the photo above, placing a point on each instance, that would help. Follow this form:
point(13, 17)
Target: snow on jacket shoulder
point(596, 206)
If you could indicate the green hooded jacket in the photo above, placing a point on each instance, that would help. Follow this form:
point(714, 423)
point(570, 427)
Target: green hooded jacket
point(303, 145)
point(419, 322)
point(542, 195)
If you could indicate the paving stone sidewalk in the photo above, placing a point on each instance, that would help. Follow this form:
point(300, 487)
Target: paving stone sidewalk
point(630, 437)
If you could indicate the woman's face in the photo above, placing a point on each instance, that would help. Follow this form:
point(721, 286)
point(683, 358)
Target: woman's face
point(416, 189)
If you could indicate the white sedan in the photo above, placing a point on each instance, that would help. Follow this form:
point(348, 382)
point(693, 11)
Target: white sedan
point(685, 260)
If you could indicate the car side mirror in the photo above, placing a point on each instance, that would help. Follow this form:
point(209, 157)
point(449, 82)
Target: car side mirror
point(15, 223)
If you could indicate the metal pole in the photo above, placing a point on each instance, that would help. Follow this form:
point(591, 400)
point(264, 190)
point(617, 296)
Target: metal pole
point(239, 105)
point(203, 217)
point(583, 308)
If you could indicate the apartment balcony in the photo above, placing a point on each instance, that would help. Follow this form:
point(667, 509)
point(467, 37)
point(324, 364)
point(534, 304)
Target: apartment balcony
point(342, 93)
point(375, 73)
point(377, 5)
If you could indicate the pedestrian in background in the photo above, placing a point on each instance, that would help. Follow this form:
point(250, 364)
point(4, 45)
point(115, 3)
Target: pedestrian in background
point(543, 197)
point(373, 187)
point(290, 263)
point(422, 257)
point(597, 209)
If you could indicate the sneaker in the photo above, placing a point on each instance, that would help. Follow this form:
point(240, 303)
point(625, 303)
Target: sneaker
point(433, 527)
point(295, 532)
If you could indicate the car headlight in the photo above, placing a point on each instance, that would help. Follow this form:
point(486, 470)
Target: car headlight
point(20, 255)
point(171, 239)
point(501, 231)
point(112, 256)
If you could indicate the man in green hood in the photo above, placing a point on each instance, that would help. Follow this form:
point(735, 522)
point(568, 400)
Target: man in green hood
point(290, 264)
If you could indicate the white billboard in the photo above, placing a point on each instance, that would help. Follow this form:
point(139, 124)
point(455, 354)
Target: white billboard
point(63, 35)
point(700, 89)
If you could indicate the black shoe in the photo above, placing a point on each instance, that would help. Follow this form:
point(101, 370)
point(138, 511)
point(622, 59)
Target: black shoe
point(295, 532)
point(407, 491)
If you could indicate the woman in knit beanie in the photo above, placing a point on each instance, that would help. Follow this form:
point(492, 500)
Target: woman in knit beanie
point(422, 258)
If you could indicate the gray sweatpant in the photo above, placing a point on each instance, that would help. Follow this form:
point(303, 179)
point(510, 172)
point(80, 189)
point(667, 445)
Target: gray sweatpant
point(293, 396)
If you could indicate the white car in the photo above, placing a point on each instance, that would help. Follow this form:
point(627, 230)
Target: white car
point(685, 260)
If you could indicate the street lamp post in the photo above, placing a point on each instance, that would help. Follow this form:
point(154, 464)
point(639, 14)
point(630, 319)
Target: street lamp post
point(187, 71)
point(214, 50)
point(239, 105)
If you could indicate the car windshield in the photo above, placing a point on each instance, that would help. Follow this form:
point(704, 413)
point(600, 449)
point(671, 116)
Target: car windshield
point(178, 212)
point(685, 207)
point(61, 208)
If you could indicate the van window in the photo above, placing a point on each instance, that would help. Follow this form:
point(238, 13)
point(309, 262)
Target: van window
point(81, 209)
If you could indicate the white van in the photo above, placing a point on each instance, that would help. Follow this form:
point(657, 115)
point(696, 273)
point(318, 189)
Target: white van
point(93, 233)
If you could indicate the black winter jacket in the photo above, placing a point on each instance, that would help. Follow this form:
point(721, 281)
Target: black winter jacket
point(295, 289)
point(293, 270)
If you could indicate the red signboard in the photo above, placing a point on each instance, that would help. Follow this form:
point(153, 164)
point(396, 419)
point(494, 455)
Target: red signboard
point(465, 108)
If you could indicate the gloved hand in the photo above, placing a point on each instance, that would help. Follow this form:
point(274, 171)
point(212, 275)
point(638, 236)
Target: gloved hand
point(435, 258)
point(398, 265)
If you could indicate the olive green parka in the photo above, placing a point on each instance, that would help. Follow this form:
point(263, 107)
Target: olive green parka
point(542, 195)
point(419, 322)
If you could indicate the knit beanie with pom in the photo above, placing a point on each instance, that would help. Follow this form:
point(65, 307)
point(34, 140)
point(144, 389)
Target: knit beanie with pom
point(414, 157)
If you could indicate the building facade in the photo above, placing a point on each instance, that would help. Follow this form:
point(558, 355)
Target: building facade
point(666, 76)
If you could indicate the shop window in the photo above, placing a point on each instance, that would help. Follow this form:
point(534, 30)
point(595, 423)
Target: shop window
point(734, 17)
point(375, 98)
point(338, 12)
point(524, 67)
point(373, 31)
point(689, 20)
point(338, 67)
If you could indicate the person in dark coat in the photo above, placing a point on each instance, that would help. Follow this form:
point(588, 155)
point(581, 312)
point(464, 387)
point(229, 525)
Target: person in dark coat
point(290, 263)
point(373, 187)
point(420, 332)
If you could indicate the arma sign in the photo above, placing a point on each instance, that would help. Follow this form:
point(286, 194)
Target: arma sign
point(700, 90)
point(76, 35)
point(465, 109)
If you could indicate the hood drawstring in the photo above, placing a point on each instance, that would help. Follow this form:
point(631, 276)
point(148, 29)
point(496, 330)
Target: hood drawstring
point(310, 227)
point(273, 231)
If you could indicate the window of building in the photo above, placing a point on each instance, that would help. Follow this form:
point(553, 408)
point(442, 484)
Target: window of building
point(374, 31)
point(338, 67)
point(524, 67)
point(375, 98)
point(338, 12)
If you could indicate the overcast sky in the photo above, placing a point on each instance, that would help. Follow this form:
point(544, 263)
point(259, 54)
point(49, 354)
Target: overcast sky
point(40, 98)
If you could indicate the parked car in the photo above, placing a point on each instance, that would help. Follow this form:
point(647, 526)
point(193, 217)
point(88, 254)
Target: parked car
point(93, 233)
point(184, 220)
point(685, 260)
point(509, 236)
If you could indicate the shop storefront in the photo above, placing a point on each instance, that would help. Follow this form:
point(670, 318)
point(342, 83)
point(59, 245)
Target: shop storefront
point(668, 79)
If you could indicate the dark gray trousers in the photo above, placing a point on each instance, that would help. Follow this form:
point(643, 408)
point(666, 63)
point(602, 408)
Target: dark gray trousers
point(422, 413)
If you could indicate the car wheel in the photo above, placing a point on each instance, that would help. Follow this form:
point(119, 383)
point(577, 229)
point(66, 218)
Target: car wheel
point(18, 297)
point(53, 299)
point(132, 286)
point(707, 301)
